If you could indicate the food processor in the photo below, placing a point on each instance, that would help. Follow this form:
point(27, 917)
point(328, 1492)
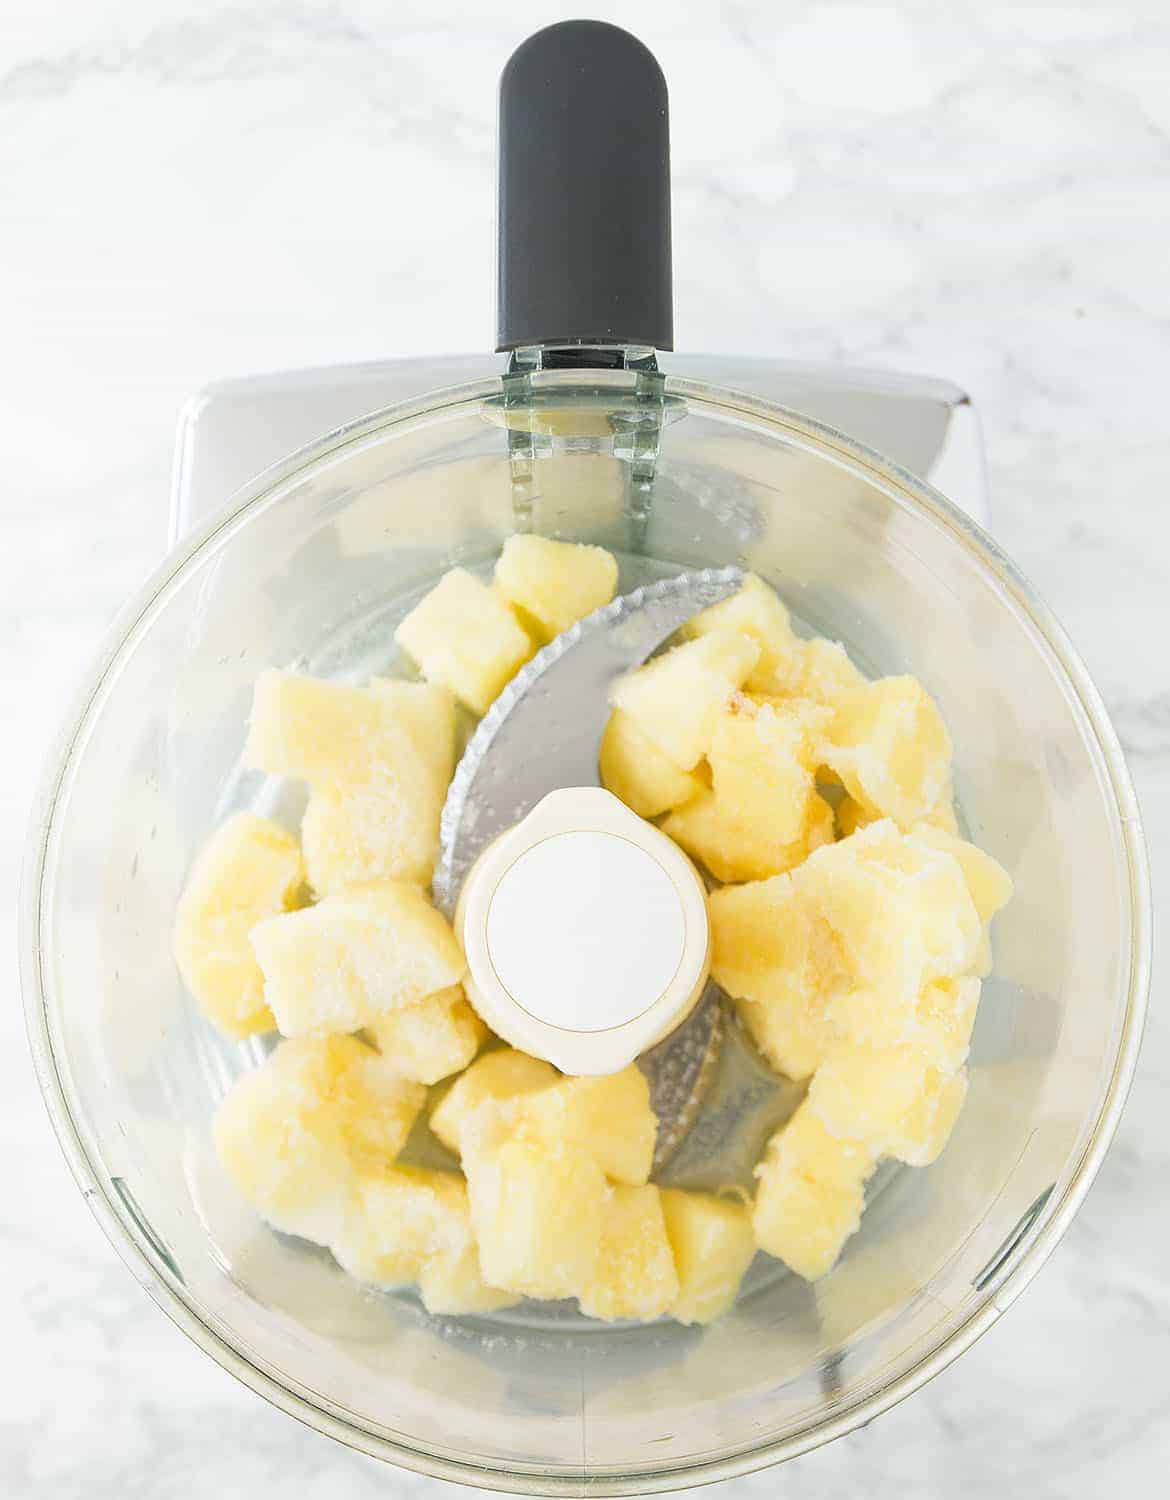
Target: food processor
point(682, 469)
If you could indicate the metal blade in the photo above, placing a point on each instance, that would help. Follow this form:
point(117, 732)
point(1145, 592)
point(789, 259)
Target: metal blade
point(544, 730)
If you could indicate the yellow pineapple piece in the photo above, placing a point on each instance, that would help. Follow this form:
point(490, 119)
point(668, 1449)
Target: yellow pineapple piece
point(620, 1126)
point(427, 712)
point(736, 851)
point(864, 1093)
point(713, 1244)
point(530, 627)
point(465, 637)
point(609, 1118)
point(328, 733)
point(901, 916)
point(339, 965)
point(811, 1195)
point(454, 1284)
point(432, 1038)
point(927, 1125)
point(819, 670)
point(293, 1133)
point(399, 1217)
point(375, 1105)
point(944, 1019)
point(634, 1276)
point(491, 1078)
point(378, 760)
point(804, 1144)
point(805, 720)
point(554, 584)
point(755, 611)
point(322, 732)
point(634, 769)
point(891, 749)
point(989, 883)
point(372, 831)
point(776, 956)
point(411, 1224)
point(805, 1223)
point(537, 1212)
point(675, 699)
point(248, 870)
point(760, 770)
point(282, 1144)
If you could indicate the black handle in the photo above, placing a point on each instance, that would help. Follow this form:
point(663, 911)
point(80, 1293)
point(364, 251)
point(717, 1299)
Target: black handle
point(584, 192)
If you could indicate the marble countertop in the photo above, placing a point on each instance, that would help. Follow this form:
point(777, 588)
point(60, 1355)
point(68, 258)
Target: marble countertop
point(193, 191)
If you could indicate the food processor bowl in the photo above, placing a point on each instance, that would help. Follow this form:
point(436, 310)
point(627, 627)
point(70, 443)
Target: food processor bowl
point(312, 566)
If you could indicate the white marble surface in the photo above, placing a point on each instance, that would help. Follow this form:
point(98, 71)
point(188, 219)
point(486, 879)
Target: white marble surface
point(196, 190)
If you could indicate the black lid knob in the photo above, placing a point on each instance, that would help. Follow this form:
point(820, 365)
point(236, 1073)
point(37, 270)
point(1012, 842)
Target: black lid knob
point(584, 191)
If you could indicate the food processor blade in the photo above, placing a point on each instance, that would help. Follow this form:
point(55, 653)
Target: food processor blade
point(544, 730)
point(543, 733)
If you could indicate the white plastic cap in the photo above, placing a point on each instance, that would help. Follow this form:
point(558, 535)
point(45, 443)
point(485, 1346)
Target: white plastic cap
point(586, 933)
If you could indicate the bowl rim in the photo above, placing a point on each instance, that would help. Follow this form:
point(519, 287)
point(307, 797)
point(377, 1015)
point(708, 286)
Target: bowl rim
point(1028, 1252)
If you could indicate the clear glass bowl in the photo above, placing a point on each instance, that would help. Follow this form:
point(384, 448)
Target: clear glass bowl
point(313, 565)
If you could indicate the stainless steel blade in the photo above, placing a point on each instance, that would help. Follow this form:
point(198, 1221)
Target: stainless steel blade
point(544, 730)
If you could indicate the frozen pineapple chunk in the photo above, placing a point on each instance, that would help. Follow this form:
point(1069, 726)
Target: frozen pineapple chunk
point(736, 851)
point(454, 1284)
point(399, 1218)
point(891, 749)
point(760, 770)
point(293, 1134)
point(411, 1224)
point(675, 699)
point(778, 957)
point(927, 1125)
point(378, 760)
point(634, 769)
point(465, 637)
point(713, 1244)
point(494, 1077)
point(363, 832)
point(609, 1118)
point(944, 1019)
point(811, 1195)
point(805, 1223)
point(427, 712)
point(537, 1213)
point(635, 1275)
point(432, 1038)
point(805, 1145)
point(819, 670)
point(619, 1125)
point(376, 1106)
point(328, 733)
point(248, 870)
point(756, 611)
point(864, 1093)
point(989, 883)
point(901, 916)
point(340, 964)
point(554, 584)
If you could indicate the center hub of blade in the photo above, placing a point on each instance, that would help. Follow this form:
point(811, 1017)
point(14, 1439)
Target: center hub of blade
point(586, 933)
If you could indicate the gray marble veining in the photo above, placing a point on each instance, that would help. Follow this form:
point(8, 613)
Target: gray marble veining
point(198, 191)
